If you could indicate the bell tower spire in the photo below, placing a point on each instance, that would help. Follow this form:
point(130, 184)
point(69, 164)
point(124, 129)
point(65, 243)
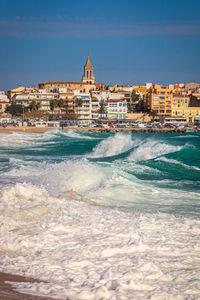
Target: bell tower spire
point(88, 76)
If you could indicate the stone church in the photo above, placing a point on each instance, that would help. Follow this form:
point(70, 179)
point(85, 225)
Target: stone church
point(87, 84)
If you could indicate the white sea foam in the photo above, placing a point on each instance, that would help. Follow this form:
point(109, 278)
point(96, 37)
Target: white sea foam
point(77, 175)
point(114, 145)
point(58, 226)
point(185, 136)
point(152, 149)
point(90, 252)
point(77, 135)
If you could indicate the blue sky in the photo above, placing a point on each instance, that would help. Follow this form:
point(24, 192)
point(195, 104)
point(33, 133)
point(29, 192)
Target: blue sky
point(129, 41)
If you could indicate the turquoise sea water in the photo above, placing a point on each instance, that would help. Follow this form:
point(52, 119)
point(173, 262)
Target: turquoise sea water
point(165, 164)
point(102, 215)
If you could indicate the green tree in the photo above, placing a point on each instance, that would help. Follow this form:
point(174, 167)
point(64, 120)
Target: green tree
point(56, 103)
point(102, 109)
point(53, 104)
point(60, 103)
point(78, 103)
point(135, 98)
point(16, 109)
point(34, 105)
point(153, 114)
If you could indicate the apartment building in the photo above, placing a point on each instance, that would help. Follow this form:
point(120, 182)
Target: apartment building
point(68, 102)
point(95, 106)
point(116, 109)
point(190, 113)
point(186, 106)
point(82, 106)
point(160, 99)
point(3, 105)
point(180, 100)
point(41, 97)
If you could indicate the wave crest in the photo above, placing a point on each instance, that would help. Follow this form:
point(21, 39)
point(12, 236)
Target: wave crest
point(114, 145)
point(152, 149)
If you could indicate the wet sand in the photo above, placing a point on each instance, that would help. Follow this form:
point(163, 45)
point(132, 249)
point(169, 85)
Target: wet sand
point(7, 292)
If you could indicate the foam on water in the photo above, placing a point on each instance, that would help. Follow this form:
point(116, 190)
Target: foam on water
point(77, 135)
point(94, 229)
point(114, 145)
point(152, 149)
point(89, 252)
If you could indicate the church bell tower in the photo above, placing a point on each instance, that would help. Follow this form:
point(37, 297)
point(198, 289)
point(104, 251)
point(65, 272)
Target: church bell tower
point(88, 76)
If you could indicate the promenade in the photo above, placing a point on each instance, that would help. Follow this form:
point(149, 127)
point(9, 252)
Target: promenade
point(89, 129)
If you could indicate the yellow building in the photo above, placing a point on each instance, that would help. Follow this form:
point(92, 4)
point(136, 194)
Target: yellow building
point(159, 100)
point(190, 113)
point(180, 100)
point(51, 86)
point(15, 91)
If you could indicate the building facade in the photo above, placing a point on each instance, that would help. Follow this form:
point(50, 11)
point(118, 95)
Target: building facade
point(190, 113)
point(159, 100)
point(42, 99)
point(85, 86)
point(116, 109)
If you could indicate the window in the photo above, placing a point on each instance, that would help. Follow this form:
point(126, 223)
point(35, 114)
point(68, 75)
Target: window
point(155, 97)
point(161, 97)
point(155, 102)
point(168, 111)
point(161, 111)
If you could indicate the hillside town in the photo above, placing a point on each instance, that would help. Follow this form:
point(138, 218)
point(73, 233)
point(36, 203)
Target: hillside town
point(90, 103)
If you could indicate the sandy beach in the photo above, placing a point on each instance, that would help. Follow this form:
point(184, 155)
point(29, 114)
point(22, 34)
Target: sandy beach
point(86, 129)
point(7, 292)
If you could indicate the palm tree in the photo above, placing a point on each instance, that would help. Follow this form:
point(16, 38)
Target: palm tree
point(134, 101)
point(60, 103)
point(34, 105)
point(53, 104)
point(153, 114)
point(78, 103)
point(38, 104)
point(102, 109)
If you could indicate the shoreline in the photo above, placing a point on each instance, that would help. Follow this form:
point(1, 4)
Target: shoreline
point(10, 129)
point(8, 292)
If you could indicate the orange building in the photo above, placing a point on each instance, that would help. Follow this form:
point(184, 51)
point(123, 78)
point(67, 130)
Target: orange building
point(68, 102)
point(160, 99)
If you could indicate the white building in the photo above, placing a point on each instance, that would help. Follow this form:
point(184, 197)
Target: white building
point(95, 105)
point(106, 95)
point(41, 97)
point(83, 108)
point(149, 85)
point(116, 109)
